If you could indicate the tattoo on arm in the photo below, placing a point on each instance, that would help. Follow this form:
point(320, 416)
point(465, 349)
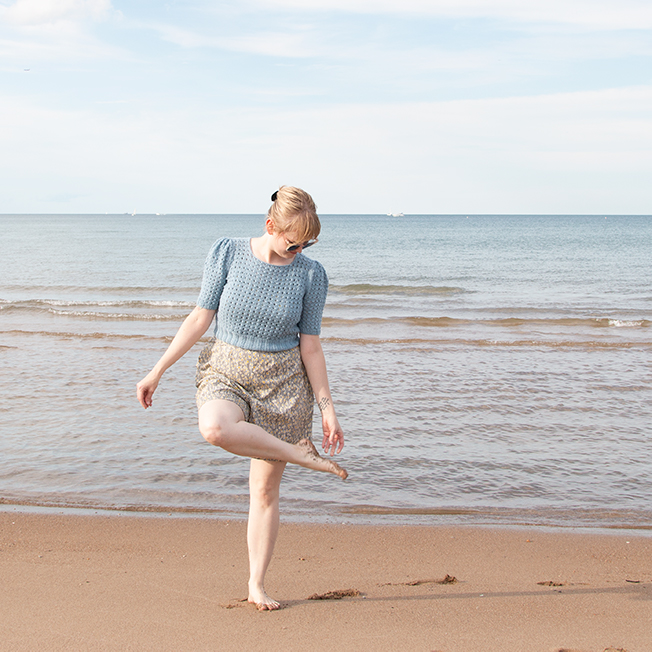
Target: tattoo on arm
point(323, 403)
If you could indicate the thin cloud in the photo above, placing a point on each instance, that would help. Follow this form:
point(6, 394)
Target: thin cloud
point(56, 30)
point(290, 44)
point(320, 37)
point(559, 147)
point(414, 105)
point(603, 14)
point(49, 12)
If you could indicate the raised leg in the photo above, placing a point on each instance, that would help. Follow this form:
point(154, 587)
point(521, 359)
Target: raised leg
point(222, 424)
point(262, 529)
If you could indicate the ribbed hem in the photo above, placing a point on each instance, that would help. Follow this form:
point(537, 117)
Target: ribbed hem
point(256, 343)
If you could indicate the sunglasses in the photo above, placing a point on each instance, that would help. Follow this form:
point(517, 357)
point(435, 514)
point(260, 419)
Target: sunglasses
point(295, 247)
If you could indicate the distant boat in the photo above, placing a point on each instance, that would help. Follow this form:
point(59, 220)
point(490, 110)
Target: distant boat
point(395, 215)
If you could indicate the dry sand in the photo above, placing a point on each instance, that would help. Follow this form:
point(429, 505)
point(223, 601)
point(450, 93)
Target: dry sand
point(72, 582)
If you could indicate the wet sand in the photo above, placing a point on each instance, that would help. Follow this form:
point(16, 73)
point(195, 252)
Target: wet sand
point(73, 582)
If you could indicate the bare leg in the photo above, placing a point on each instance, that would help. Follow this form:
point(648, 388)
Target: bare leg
point(262, 529)
point(222, 424)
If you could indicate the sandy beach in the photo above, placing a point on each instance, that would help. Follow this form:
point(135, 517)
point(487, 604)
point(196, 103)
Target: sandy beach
point(84, 582)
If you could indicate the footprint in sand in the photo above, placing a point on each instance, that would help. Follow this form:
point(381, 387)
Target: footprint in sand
point(335, 595)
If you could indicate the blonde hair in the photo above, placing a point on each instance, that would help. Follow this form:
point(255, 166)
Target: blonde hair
point(294, 211)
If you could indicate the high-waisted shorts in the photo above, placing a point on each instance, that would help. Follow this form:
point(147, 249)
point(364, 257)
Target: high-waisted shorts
point(270, 387)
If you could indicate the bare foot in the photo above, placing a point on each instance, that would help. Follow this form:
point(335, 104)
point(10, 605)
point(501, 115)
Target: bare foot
point(314, 461)
point(262, 601)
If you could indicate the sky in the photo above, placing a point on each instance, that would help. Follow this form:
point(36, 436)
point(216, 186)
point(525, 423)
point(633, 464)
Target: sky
point(372, 106)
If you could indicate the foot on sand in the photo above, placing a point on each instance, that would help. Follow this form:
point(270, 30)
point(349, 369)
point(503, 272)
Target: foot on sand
point(313, 460)
point(262, 601)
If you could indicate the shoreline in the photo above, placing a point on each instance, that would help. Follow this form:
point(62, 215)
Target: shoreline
point(383, 518)
point(98, 582)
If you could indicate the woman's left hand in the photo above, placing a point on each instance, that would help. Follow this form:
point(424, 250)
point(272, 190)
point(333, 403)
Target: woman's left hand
point(333, 435)
point(312, 356)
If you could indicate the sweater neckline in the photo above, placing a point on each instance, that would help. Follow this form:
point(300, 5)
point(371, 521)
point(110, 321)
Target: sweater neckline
point(264, 262)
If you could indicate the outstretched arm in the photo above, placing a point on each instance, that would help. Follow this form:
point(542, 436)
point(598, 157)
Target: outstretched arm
point(193, 327)
point(315, 364)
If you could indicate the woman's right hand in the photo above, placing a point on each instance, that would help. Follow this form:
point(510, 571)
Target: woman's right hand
point(146, 388)
point(193, 327)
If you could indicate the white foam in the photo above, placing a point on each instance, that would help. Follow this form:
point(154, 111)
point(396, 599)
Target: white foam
point(621, 323)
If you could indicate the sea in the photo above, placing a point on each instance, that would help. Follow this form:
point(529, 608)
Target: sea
point(486, 369)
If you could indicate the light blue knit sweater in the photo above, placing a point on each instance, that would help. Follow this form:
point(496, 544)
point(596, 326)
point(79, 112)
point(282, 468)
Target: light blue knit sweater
point(261, 307)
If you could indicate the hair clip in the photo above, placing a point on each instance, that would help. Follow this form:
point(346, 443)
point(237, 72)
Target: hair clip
point(275, 195)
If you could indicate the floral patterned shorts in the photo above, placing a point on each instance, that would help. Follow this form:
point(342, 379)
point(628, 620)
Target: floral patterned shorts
point(270, 387)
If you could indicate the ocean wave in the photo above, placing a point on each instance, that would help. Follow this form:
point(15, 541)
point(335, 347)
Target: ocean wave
point(101, 289)
point(175, 311)
point(410, 342)
point(150, 303)
point(82, 504)
point(625, 323)
point(69, 335)
point(93, 310)
point(117, 316)
point(410, 290)
point(488, 343)
point(503, 322)
point(617, 519)
point(434, 322)
point(621, 519)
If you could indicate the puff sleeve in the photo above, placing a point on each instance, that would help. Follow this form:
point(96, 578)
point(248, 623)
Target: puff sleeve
point(216, 270)
point(314, 299)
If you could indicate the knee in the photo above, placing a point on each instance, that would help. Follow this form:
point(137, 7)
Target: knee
point(263, 494)
point(213, 433)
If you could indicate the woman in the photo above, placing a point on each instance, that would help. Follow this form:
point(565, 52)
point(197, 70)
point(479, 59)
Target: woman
point(258, 379)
